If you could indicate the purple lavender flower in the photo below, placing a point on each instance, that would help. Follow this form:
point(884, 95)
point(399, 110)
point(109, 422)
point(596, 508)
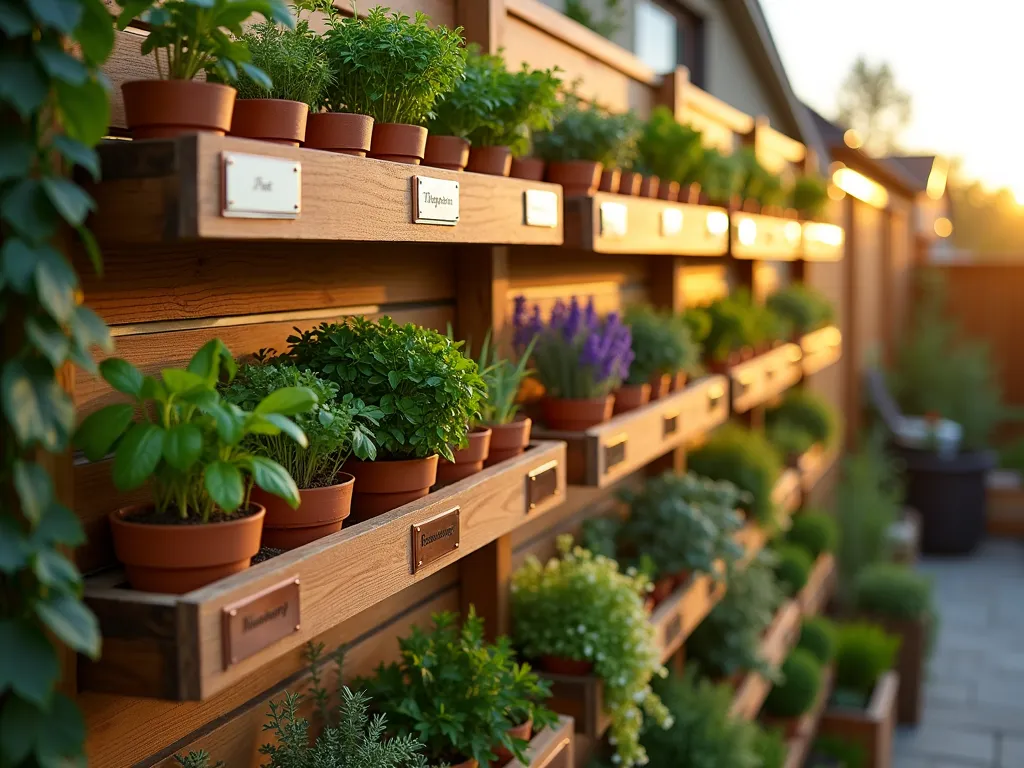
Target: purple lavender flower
point(572, 320)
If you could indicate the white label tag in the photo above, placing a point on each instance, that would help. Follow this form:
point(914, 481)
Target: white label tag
point(614, 219)
point(259, 187)
point(671, 222)
point(435, 201)
point(541, 208)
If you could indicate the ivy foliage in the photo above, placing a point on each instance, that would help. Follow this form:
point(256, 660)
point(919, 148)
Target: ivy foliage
point(55, 110)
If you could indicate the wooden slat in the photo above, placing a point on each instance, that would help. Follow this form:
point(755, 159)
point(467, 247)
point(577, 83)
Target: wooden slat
point(765, 377)
point(681, 613)
point(815, 464)
point(822, 242)
point(819, 587)
point(582, 698)
point(551, 748)
point(755, 236)
point(873, 728)
point(821, 349)
point(780, 638)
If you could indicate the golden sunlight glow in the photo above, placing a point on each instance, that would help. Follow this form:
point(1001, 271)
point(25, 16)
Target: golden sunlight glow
point(826, 234)
point(937, 179)
point(718, 222)
point(792, 231)
point(747, 231)
point(943, 227)
point(853, 139)
point(861, 187)
point(835, 193)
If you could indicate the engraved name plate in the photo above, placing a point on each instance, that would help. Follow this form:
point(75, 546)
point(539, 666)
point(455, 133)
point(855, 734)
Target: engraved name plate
point(259, 187)
point(670, 424)
point(541, 484)
point(671, 222)
point(435, 201)
point(614, 219)
point(540, 208)
point(434, 538)
point(673, 628)
point(260, 620)
point(615, 452)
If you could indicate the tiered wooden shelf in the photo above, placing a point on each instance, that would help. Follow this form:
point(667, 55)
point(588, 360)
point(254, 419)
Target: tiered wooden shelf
point(778, 641)
point(582, 698)
point(175, 646)
point(823, 242)
point(681, 613)
point(765, 377)
point(769, 238)
point(798, 748)
point(606, 453)
point(815, 464)
point(821, 349)
point(551, 748)
point(610, 223)
point(169, 190)
point(819, 587)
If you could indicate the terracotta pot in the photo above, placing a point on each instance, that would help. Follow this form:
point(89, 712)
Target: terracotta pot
point(449, 152)
point(649, 186)
point(556, 665)
point(791, 213)
point(691, 194)
point(661, 385)
point(682, 578)
point(751, 206)
point(631, 397)
point(385, 485)
point(522, 731)
point(719, 366)
point(278, 121)
point(471, 763)
point(668, 190)
point(321, 512)
point(340, 132)
point(579, 178)
point(398, 142)
point(529, 168)
point(468, 460)
point(175, 559)
point(494, 161)
point(678, 381)
point(610, 180)
point(629, 183)
point(508, 440)
point(163, 109)
point(576, 415)
point(662, 589)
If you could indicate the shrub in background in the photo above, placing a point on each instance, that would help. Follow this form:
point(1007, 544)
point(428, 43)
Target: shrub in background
point(746, 459)
point(818, 637)
point(661, 343)
point(798, 689)
point(808, 411)
point(864, 652)
point(793, 566)
point(893, 591)
point(805, 308)
point(816, 532)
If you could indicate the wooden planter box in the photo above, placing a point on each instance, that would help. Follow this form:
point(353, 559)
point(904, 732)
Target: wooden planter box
point(799, 746)
point(765, 377)
point(608, 452)
point(582, 698)
point(779, 640)
point(871, 728)
point(755, 236)
point(551, 748)
point(818, 590)
point(677, 617)
point(821, 349)
point(911, 664)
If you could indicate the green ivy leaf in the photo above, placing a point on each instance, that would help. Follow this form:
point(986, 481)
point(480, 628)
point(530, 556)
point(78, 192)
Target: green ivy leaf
point(84, 110)
point(18, 260)
point(36, 407)
point(26, 208)
point(22, 83)
point(70, 200)
point(122, 376)
point(65, 734)
point(48, 339)
point(209, 358)
point(56, 571)
point(100, 429)
point(62, 15)
point(95, 33)
point(89, 328)
point(72, 622)
point(224, 483)
point(92, 249)
point(178, 381)
point(287, 401)
point(56, 283)
point(77, 153)
point(59, 526)
point(13, 20)
point(13, 546)
point(273, 478)
point(289, 427)
point(35, 490)
point(137, 455)
point(16, 154)
point(59, 65)
point(183, 446)
point(22, 726)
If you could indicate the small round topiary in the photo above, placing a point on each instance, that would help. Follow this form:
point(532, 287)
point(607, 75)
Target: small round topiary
point(864, 652)
point(792, 568)
point(816, 532)
point(818, 637)
point(892, 591)
point(796, 692)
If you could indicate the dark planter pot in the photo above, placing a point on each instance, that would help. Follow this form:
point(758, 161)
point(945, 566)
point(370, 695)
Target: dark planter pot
point(631, 397)
point(668, 190)
point(649, 186)
point(663, 588)
point(576, 415)
point(610, 180)
point(398, 143)
point(468, 460)
point(508, 440)
point(340, 132)
point(163, 109)
point(949, 495)
point(629, 183)
point(321, 512)
point(385, 485)
point(871, 728)
point(661, 385)
point(494, 161)
point(579, 178)
point(556, 665)
point(448, 152)
point(529, 168)
point(277, 121)
point(911, 664)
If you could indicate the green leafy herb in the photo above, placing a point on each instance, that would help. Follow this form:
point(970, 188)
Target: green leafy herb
point(792, 567)
point(807, 411)
point(668, 149)
point(798, 689)
point(893, 591)
point(805, 308)
point(815, 532)
point(809, 196)
point(661, 344)
point(818, 637)
point(864, 653)
point(583, 132)
point(502, 379)
point(746, 459)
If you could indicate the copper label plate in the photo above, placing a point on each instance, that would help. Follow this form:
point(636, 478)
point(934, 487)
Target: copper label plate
point(435, 201)
point(260, 187)
point(615, 452)
point(434, 538)
point(541, 484)
point(260, 620)
point(540, 208)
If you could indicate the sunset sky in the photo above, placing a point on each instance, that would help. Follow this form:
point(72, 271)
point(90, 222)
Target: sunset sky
point(962, 63)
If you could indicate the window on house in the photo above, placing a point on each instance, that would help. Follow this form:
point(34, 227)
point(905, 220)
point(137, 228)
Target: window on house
point(667, 35)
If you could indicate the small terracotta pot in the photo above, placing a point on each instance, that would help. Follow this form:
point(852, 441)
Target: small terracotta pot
point(649, 186)
point(163, 109)
point(631, 396)
point(678, 381)
point(791, 213)
point(278, 121)
point(508, 440)
point(668, 190)
point(691, 194)
point(661, 385)
point(557, 665)
point(449, 152)
point(321, 512)
point(610, 180)
point(468, 460)
point(579, 178)
point(398, 142)
point(522, 731)
point(175, 559)
point(662, 589)
point(494, 161)
point(681, 578)
point(384, 485)
point(576, 415)
point(341, 132)
point(529, 168)
point(629, 183)
point(751, 206)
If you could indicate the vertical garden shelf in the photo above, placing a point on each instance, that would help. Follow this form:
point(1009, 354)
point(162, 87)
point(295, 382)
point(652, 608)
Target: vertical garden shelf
point(768, 238)
point(765, 377)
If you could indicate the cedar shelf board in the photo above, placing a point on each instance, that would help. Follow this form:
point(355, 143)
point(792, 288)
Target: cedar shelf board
point(581, 697)
point(175, 646)
point(175, 191)
point(765, 377)
point(676, 618)
point(815, 464)
point(623, 224)
point(778, 641)
point(608, 452)
point(821, 349)
point(822, 241)
point(769, 238)
point(820, 583)
point(552, 746)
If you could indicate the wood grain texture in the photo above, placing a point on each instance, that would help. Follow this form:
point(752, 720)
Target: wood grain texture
point(551, 748)
point(765, 377)
point(174, 189)
point(755, 236)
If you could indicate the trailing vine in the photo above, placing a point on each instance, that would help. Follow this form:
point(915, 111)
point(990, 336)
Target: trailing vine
point(54, 109)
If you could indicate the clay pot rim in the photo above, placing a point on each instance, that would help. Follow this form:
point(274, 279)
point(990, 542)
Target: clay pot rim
point(178, 83)
point(380, 460)
point(349, 481)
point(117, 517)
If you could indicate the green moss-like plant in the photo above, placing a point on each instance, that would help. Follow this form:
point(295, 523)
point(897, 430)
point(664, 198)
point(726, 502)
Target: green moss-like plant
point(816, 532)
point(720, 177)
point(792, 567)
point(758, 183)
point(661, 344)
point(584, 132)
point(796, 692)
point(893, 591)
point(807, 411)
point(668, 149)
point(864, 652)
point(805, 308)
point(746, 459)
point(790, 440)
point(809, 196)
point(818, 637)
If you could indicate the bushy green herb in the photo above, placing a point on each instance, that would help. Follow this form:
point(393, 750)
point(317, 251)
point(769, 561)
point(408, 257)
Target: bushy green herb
point(893, 591)
point(771, 747)
point(427, 391)
point(805, 308)
point(809, 195)
point(699, 323)
point(790, 440)
point(599, 535)
point(668, 149)
point(808, 411)
point(818, 637)
point(502, 379)
point(391, 67)
point(792, 567)
point(661, 344)
point(816, 532)
point(584, 132)
point(745, 458)
point(842, 752)
point(182, 437)
point(864, 652)
point(758, 183)
point(798, 689)
point(738, 322)
point(197, 759)
point(607, 24)
point(720, 177)
point(580, 606)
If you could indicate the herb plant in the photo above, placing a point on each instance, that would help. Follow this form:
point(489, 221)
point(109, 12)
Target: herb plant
point(661, 344)
point(809, 195)
point(188, 442)
point(792, 567)
point(864, 653)
point(719, 176)
point(803, 307)
point(427, 391)
point(732, 327)
point(668, 149)
point(818, 637)
point(580, 606)
point(197, 759)
point(815, 532)
point(758, 183)
point(576, 354)
point(745, 458)
point(202, 37)
point(771, 748)
point(585, 132)
point(807, 411)
point(789, 440)
point(798, 689)
point(502, 379)
point(893, 591)
point(335, 428)
point(390, 67)
point(458, 694)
